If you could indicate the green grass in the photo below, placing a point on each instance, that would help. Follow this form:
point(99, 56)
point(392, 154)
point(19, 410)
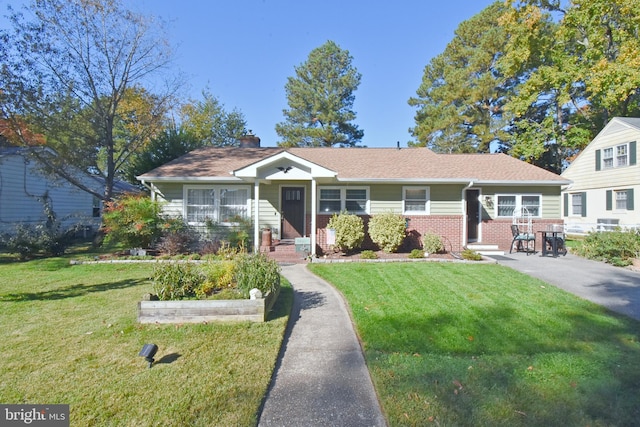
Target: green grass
point(70, 336)
point(483, 345)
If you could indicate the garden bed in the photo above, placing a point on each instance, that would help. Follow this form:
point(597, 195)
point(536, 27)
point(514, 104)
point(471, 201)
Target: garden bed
point(204, 311)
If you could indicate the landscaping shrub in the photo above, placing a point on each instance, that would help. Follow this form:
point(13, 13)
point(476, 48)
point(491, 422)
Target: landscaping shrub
point(368, 255)
point(349, 231)
point(416, 253)
point(615, 247)
point(218, 275)
point(48, 237)
point(256, 271)
point(238, 235)
point(387, 230)
point(177, 237)
point(470, 255)
point(432, 243)
point(174, 281)
point(132, 220)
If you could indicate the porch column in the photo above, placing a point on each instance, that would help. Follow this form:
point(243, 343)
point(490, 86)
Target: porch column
point(256, 216)
point(314, 210)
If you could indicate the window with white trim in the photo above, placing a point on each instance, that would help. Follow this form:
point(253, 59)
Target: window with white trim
point(415, 200)
point(614, 157)
point(354, 200)
point(507, 204)
point(621, 199)
point(576, 204)
point(218, 204)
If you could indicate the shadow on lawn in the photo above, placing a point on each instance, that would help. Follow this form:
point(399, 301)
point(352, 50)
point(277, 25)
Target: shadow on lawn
point(70, 291)
point(579, 371)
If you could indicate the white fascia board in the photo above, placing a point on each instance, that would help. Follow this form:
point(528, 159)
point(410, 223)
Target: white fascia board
point(520, 183)
point(407, 180)
point(188, 179)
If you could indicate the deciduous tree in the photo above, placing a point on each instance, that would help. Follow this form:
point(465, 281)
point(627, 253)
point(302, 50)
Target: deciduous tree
point(75, 73)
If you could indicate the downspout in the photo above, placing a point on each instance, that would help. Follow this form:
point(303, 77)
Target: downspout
point(256, 216)
point(465, 220)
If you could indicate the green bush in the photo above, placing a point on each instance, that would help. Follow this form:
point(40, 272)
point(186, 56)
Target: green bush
point(349, 231)
point(368, 255)
point(470, 255)
point(616, 247)
point(256, 271)
point(218, 275)
point(416, 253)
point(132, 220)
point(174, 281)
point(432, 243)
point(387, 230)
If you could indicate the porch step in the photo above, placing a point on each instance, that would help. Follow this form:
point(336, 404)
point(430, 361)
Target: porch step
point(485, 249)
point(284, 252)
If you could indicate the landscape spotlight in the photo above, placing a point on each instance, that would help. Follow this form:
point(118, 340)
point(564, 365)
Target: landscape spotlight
point(148, 351)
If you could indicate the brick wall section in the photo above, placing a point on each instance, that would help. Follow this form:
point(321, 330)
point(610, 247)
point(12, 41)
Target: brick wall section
point(448, 227)
point(494, 232)
point(498, 232)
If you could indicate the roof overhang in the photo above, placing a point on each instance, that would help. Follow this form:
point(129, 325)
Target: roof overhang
point(188, 179)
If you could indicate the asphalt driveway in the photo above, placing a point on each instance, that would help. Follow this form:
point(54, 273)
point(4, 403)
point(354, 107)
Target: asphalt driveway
point(613, 287)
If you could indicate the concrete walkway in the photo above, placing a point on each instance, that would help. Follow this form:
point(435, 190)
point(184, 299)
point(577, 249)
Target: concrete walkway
point(616, 288)
point(321, 378)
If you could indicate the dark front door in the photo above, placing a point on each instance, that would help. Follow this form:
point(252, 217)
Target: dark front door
point(292, 209)
point(473, 214)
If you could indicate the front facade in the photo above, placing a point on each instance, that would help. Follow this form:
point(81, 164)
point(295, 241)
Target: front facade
point(294, 192)
point(605, 178)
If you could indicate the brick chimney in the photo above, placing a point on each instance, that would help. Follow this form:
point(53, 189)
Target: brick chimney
point(249, 140)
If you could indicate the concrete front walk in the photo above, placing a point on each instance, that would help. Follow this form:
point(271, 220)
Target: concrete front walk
point(616, 288)
point(321, 378)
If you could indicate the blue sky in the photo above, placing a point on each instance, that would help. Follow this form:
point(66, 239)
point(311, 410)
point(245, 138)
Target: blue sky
point(244, 50)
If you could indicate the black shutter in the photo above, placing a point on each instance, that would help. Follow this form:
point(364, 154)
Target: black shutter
point(597, 160)
point(584, 204)
point(632, 153)
point(566, 204)
point(609, 200)
point(630, 199)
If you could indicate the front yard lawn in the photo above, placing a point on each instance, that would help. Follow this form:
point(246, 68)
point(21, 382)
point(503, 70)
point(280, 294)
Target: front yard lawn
point(484, 345)
point(70, 336)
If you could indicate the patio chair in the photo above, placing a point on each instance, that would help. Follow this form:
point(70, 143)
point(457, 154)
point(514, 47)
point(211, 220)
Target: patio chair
point(521, 240)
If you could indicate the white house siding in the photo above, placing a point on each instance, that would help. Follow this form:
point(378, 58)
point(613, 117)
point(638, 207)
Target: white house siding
point(21, 184)
point(595, 183)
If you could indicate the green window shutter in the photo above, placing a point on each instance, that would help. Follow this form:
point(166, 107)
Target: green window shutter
point(566, 204)
point(630, 199)
point(584, 204)
point(632, 153)
point(597, 160)
point(609, 200)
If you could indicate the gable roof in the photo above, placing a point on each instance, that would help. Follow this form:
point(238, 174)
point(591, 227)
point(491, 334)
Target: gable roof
point(360, 164)
point(615, 125)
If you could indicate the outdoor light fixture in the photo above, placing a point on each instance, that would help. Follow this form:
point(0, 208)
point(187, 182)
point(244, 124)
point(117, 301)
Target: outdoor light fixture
point(148, 351)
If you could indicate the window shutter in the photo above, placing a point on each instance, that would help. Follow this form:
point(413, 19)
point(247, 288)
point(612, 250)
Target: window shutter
point(609, 200)
point(597, 160)
point(584, 204)
point(632, 153)
point(566, 204)
point(630, 199)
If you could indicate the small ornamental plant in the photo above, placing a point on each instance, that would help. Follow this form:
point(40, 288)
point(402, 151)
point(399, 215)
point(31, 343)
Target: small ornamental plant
point(432, 243)
point(349, 231)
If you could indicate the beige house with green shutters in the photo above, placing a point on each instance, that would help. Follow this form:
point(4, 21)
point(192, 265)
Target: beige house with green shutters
point(465, 198)
point(605, 179)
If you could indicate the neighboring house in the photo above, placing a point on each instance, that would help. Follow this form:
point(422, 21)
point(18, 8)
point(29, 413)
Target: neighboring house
point(24, 189)
point(605, 178)
point(465, 198)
